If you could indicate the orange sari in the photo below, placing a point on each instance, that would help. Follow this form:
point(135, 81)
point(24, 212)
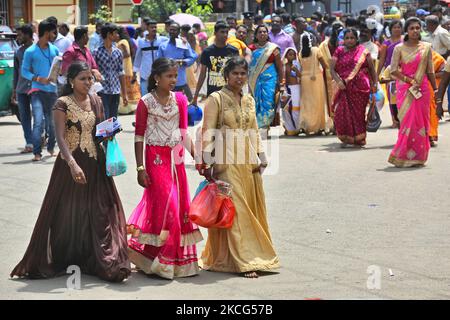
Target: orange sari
point(438, 65)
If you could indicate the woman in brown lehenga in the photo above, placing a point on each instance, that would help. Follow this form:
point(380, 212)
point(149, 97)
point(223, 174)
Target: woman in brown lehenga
point(81, 221)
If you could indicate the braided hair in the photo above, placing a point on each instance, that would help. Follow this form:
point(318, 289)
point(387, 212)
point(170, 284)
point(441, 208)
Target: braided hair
point(307, 43)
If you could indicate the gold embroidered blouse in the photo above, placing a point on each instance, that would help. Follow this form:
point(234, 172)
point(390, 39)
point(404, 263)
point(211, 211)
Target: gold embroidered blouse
point(79, 126)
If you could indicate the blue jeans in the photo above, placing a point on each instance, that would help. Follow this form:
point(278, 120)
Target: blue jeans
point(144, 87)
point(24, 102)
point(110, 104)
point(448, 98)
point(41, 106)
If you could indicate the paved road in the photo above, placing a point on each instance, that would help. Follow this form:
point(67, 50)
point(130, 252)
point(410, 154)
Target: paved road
point(379, 219)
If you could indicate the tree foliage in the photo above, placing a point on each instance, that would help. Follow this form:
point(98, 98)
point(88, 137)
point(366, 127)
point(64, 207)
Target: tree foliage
point(203, 11)
point(104, 13)
point(158, 10)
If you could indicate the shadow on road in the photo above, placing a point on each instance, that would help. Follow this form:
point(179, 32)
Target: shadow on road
point(9, 124)
point(395, 169)
point(134, 283)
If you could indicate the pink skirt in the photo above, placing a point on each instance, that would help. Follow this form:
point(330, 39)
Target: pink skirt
point(162, 237)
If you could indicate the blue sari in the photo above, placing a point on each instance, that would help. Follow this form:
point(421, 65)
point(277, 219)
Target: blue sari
point(263, 81)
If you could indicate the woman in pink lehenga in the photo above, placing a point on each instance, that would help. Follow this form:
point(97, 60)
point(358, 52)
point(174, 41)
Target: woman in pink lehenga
point(411, 61)
point(353, 70)
point(163, 239)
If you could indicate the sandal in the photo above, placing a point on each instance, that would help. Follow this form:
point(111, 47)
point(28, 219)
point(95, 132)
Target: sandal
point(27, 150)
point(37, 157)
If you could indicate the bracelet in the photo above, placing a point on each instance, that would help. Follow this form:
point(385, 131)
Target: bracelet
point(140, 168)
point(438, 100)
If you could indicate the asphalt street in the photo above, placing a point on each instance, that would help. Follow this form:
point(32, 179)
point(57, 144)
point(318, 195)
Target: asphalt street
point(345, 223)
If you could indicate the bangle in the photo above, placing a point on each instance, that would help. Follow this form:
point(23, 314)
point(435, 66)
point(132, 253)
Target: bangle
point(140, 168)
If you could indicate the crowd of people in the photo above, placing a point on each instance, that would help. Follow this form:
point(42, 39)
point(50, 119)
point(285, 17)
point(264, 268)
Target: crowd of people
point(313, 76)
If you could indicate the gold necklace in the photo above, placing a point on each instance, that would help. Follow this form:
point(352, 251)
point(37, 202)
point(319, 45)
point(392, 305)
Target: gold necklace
point(79, 104)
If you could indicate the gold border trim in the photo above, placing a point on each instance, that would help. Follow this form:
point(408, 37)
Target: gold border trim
point(156, 240)
point(166, 271)
point(400, 163)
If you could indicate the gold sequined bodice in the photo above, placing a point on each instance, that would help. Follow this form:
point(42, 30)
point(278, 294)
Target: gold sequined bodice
point(79, 127)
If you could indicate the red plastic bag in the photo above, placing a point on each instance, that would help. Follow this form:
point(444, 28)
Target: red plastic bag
point(213, 206)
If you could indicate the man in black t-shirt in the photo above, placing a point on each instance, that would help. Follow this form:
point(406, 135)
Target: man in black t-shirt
point(213, 60)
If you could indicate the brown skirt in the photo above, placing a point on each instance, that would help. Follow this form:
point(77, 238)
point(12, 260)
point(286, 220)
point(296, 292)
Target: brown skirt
point(81, 225)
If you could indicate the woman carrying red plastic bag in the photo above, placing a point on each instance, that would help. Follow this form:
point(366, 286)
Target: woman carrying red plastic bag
point(246, 247)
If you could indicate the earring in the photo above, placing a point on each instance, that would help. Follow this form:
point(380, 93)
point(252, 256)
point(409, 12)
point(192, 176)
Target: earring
point(157, 83)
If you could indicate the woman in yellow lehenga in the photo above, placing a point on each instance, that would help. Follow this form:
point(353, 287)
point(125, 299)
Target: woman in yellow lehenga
point(247, 246)
point(133, 89)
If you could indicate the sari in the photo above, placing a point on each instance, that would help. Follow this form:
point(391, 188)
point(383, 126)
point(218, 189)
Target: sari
point(438, 66)
point(324, 51)
point(133, 89)
point(413, 142)
point(350, 104)
point(263, 78)
point(390, 86)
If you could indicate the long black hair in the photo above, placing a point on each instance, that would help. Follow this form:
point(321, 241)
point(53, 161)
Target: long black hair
point(160, 66)
point(74, 70)
point(306, 44)
point(255, 40)
point(336, 29)
point(409, 22)
point(233, 62)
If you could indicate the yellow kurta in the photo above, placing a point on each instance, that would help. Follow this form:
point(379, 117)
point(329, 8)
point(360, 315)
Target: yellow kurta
point(313, 99)
point(247, 245)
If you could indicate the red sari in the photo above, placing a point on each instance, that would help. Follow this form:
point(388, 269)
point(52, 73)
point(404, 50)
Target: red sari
point(350, 104)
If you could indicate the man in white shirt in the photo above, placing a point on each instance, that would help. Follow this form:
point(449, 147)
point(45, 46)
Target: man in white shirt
point(365, 38)
point(65, 31)
point(61, 42)
point(439, 37)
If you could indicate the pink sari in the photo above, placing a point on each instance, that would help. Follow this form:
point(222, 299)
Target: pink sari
point(413, 142)
point(350, 104)
point(163, 239)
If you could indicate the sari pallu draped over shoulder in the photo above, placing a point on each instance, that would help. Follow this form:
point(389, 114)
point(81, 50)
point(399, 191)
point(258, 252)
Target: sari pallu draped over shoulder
point(413, 142)
point(263, 79)
point(350, 104)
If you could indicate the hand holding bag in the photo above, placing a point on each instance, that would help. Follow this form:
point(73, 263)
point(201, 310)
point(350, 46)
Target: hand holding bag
point(213, 207)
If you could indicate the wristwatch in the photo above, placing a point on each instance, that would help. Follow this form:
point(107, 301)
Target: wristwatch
point(140, 168)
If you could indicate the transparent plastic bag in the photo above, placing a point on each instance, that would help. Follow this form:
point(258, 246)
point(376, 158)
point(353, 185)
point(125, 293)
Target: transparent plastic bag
point(115, 160)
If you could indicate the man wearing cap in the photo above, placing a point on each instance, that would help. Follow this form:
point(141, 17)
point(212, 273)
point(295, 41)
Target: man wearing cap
point(248, 22)
point(440, 37)
point(421, 14)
